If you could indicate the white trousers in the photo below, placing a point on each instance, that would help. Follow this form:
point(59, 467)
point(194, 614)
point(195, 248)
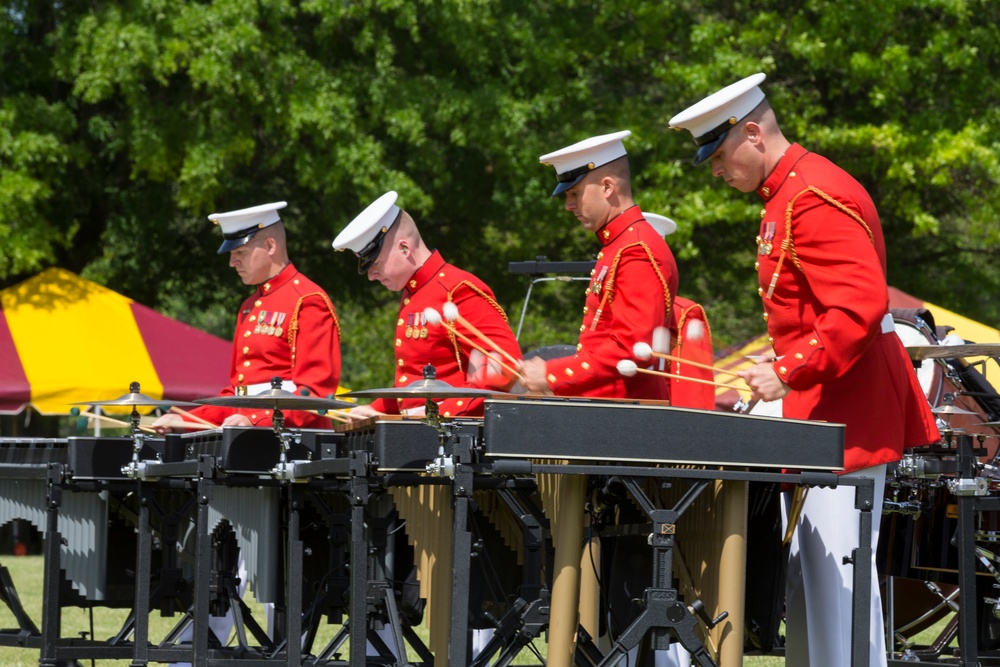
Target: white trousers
point(818, 587)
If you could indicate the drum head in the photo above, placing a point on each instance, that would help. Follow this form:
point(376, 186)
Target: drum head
point(929, 371)
point(766, 408)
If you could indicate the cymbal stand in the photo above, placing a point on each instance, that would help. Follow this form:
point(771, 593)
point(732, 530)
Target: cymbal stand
point(282, 470)
point(135, 469)
point(432, 415)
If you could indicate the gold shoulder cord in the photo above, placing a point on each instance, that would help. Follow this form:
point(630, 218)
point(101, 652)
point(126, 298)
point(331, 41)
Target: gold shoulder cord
point(681, 321)
point(486, 297)
point(609, 288)
point(293, 326)
point(788, 244)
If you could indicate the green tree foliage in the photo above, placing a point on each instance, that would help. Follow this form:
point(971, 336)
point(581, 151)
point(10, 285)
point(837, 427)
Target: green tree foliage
point(123, 124)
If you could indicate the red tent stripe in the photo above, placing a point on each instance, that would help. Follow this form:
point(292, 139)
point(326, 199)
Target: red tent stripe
point(15, 391)
point(900, 299)
point(182, 375)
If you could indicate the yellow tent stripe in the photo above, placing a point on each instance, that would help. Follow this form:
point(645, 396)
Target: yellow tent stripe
point(969, 330)
point(77, 341)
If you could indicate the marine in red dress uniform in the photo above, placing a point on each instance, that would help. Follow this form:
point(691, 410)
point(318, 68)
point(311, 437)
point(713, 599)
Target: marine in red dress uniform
point(287, 328)
point(418, 342)
point(628, 297)
point(631, 288)
point(822, 274)
point(391, 251)
point(827, 314)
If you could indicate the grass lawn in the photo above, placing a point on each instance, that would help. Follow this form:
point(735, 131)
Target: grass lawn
point(26, 571)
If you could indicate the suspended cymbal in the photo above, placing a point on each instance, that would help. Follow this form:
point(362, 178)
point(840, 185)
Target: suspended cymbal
point(950, 410)
point(921, 352)
point(427, 388)
point(277, 399)
point(989, 424)
point(135, 399)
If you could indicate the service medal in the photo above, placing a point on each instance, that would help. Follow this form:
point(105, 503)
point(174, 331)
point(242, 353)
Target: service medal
point(598, 282)
point(765, 240)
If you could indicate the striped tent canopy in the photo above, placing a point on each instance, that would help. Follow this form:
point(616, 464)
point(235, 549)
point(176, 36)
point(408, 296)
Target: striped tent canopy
point(739, 358)
point(65, 340)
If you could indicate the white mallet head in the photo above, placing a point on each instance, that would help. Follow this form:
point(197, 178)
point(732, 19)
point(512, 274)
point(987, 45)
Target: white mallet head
point(696, 330)
point(661, 340)
point(450, 311)
point(432, 316)
point(642, 350)
point(627, 367)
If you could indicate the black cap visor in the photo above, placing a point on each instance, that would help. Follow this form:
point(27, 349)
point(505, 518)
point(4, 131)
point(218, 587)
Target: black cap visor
point(368, 254)
point(237, 239)
point(705, 150)
point(570, 178)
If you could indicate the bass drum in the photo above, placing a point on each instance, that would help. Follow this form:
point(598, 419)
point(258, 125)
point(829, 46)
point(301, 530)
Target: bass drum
point(929, 372)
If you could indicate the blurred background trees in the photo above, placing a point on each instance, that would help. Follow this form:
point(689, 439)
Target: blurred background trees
point(124, 124)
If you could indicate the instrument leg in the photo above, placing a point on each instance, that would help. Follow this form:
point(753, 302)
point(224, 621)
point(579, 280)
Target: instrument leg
point(359, 565)
point(399, 648)
point(53, 541)
point(144, 566)
point(8, 593)
point(461, 488)
point(293, 580)
point(662, 611)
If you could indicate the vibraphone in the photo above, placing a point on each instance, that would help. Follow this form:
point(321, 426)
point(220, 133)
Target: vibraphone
point(211, 478)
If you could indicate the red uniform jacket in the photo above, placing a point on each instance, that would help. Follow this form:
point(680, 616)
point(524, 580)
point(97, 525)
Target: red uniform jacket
point(418, 343)
point(287, 328)
point(629, 295)
point(690, 340)
point(821, 235)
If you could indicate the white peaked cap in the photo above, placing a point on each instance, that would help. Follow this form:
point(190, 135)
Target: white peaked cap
point(663, 225)
point(363, 235)
point(709, 120)
point(238, 227)
point(573, 162)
